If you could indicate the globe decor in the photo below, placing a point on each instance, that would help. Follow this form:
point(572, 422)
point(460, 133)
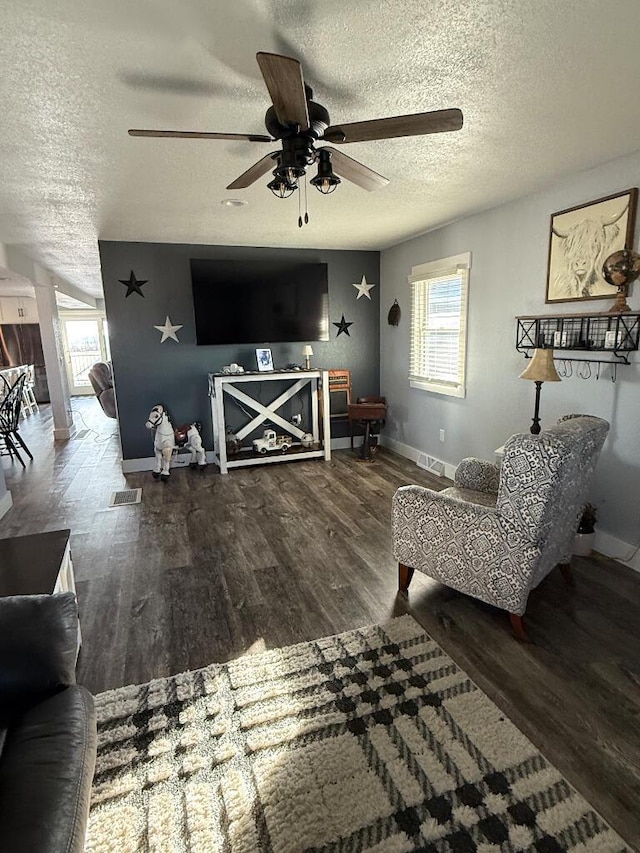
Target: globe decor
point(619, 270)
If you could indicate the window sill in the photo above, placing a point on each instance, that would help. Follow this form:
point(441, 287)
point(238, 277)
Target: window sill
point(436, 388)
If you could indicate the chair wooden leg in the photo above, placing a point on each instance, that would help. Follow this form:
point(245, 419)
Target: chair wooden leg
point(405, 573)
point(567, 574)
point(13, 450)
point(517, 626)
point(17, 436)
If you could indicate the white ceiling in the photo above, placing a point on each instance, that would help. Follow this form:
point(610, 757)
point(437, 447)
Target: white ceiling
point(12, 284)
point(544, 88)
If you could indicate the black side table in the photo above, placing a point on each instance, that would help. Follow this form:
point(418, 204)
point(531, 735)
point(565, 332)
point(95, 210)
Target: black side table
point(39, 564)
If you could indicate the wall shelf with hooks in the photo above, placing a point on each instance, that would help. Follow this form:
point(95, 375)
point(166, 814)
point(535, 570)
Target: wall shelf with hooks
point(615, 334)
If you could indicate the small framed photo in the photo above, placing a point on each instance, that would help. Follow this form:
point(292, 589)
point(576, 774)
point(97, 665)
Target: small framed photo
point(264, 359)
point(581, 239)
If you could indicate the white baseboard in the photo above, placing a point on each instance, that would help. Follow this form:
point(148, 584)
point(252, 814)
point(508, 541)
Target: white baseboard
point(618, 550)
point(6, 502)
point(345, 442)
point(64, 433)
point(131, 466)
point(147, 463)
point(411, 453)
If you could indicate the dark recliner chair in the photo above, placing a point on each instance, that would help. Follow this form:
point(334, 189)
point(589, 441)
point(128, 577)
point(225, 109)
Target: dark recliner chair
point(47, 727)
point(101, 380)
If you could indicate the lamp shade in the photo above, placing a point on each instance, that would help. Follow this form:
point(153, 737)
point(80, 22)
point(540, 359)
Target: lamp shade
point(541, 367)
point(307, 350)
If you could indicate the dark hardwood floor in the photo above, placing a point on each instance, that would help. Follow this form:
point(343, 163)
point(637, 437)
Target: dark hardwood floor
point(209, 567)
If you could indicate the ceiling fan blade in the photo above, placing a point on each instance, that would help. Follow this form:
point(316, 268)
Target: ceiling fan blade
point(254, 172)
point(355, 172)
point(437, 121)
point(195, 134)
point(283, 76)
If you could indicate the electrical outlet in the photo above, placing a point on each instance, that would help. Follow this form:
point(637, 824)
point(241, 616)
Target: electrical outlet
point(441, 435)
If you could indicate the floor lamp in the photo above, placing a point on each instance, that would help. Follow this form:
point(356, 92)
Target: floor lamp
point(541, 369)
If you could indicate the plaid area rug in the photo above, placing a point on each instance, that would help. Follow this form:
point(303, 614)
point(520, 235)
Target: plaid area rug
point(370, 740)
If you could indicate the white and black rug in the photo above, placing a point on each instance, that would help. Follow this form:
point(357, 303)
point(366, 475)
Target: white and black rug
point(370, 740)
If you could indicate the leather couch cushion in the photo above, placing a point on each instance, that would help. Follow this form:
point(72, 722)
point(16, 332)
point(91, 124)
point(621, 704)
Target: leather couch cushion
point(38, 646)
point(46, 771)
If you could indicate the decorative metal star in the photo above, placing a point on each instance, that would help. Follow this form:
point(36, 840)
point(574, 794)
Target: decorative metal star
point(363, 288)
point(168, 331)
point(343, 326)
point(133, 285)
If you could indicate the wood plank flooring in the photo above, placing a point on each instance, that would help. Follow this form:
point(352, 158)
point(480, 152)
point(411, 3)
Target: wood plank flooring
point(208, 567)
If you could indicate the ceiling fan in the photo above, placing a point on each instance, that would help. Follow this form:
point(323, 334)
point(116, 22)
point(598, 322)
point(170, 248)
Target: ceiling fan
point(299, 123)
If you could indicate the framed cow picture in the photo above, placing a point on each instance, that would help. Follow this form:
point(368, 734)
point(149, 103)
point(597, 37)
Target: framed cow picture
point(581, 239)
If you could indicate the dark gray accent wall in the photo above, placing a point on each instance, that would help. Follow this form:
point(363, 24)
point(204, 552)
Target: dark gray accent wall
point(147, 372)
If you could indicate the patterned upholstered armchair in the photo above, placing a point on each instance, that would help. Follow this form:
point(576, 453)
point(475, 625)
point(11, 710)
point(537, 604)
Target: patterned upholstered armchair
point(499, 531)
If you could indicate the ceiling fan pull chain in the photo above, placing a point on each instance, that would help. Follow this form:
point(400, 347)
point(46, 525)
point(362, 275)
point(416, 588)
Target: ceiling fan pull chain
point(306, 210)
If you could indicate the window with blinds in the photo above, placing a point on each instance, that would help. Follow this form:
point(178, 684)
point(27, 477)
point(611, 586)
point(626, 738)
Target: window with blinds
point(439, 326)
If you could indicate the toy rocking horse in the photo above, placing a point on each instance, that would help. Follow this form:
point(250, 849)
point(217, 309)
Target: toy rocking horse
point(167, 440)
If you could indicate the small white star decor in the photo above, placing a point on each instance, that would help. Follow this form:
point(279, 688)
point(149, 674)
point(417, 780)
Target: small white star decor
point(168, 331)
point(363, 288)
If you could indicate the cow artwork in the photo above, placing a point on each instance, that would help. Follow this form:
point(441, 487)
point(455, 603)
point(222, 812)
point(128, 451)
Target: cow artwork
point(580, 240)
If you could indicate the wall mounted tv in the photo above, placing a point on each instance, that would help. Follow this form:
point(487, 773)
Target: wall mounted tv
point(254, 302)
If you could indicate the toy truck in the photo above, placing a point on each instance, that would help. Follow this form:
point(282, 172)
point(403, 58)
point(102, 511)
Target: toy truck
point(271, 442)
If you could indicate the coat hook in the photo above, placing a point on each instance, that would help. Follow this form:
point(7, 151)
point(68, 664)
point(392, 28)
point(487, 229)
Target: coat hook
point(584, 371)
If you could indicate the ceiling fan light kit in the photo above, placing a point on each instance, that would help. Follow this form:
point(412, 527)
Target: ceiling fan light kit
point(234, 202)
point(298, 123)
point(325, 181)
point(281, 186)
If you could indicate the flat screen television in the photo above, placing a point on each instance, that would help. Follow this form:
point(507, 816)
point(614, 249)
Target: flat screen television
point(254, 302)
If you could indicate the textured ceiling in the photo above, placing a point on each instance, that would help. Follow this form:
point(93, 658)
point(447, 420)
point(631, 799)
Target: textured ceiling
point(543, 88)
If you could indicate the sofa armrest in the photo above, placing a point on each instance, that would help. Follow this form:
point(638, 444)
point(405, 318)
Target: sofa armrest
point(46, 770)
point(38, 647)
point(108, 402)
point(478, 475)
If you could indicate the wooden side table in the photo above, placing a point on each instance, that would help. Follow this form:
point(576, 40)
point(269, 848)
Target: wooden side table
point(39, 564)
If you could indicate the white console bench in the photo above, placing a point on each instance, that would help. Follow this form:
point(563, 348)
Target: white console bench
point(223, 386)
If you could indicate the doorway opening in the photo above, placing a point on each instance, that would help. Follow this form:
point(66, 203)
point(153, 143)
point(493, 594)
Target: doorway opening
point(86, 341)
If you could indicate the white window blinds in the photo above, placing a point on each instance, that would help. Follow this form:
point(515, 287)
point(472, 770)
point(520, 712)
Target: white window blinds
point(438, 329)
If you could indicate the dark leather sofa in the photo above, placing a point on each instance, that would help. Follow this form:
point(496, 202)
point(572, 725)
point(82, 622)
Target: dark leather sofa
point(47, 728)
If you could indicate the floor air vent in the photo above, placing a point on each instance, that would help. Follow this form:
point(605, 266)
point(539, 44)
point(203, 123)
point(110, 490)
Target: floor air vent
point(126, 497)
point(430, 464)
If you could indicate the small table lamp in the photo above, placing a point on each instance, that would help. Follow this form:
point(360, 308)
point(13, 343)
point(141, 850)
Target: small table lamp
point(541, 369)
point(307, 352)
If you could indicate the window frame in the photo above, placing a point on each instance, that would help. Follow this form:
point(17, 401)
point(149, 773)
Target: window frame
point(451, 266)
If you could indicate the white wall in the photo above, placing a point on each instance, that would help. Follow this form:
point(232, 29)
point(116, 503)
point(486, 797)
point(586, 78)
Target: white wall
point(509, 246)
